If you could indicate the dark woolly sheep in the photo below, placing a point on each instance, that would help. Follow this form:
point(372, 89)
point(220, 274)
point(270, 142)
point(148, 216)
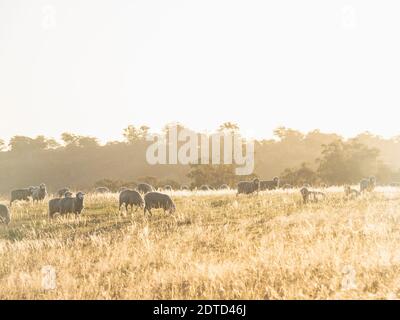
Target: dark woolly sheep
point(269, 184)
point(248, 187)
point(224, 187)
point(167, 188)
point(39, 193)
point(130, 198)
point(102, 190)
point(311, 195)
point(156, 200)
point(144, 188)
point(72, 205)
point(367, 184)
point(350, 193)
point(62, 191)
point(5, 216)
point(54, 204)
point(21, 194)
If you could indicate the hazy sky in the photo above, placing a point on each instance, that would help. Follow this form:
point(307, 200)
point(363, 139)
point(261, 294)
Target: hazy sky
point(93, 67)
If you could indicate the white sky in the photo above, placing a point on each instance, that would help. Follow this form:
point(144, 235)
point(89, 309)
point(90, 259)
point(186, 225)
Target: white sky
point(93, 67)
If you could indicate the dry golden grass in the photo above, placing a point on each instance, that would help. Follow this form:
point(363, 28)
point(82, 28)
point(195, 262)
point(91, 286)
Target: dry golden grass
point(216, 246)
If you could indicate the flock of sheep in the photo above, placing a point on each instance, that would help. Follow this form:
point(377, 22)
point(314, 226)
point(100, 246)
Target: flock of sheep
point(146, 197)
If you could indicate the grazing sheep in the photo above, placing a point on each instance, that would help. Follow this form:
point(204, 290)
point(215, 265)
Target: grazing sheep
point(39, 193)
point(185, 187)
point(367, 184)
point(310, 195)
point(102, 190)
point(248, 187)
point(21, 194)
point(62, 191)
point(395, 184)
point(269, 185)
point(156, 200)
point(224, 187)
point(130, 198)
point(205, 187)
point(72, 205)
point(144, 188)
point(167, 187)
point(54, 204)
point(5, 216)
point(122, 189)
point(350, 193)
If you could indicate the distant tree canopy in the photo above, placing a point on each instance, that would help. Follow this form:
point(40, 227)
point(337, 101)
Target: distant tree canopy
point(81, 162)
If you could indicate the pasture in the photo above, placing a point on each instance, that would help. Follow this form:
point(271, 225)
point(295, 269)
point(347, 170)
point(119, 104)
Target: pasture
point(215, 246)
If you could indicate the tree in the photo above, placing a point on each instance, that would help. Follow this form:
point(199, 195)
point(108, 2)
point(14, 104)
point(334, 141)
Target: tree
point(27, 144)
point(349, 162)
point(73, 140)
point(133, 134)
point(299, 176)
point(229, 127)
point(213, 175)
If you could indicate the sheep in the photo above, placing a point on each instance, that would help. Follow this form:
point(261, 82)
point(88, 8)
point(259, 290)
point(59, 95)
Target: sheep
point(39, 193)
point(205, 187)
point(367, 184)
point(246, 187)
point(21, 194)
point(224, 187)
point(54, 204)
point(156, 200)
point(102, 190)
point(185, 187)
point(310, 195)
point(269, 185)
point(144, 188)
point(395, 184)
point(62, 191)
point(167, 187)
point(72, 204)
point(5, 216)
point(130, 198)
point(350, 193)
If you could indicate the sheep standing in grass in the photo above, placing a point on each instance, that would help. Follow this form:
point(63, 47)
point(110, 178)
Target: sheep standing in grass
point(5, 216)
point(156, 200)
point(130, 198)
point(185, 187)
point(311, 195)
point(167, 188)
point(269, 185)
point(72, 204)
point(21, 194)
point(144, 188)
point(62, 191)
point(54, 204)
point(224, 187)
point(205, 187)
point(248, 187)
point(102, 190)
point(367, 184)
point(350, 193)
point(39, 193)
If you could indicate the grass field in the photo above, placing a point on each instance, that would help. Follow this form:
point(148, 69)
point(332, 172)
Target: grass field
point(216, 246)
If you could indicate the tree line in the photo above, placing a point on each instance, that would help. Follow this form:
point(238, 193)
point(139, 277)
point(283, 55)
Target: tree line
point(81, 162)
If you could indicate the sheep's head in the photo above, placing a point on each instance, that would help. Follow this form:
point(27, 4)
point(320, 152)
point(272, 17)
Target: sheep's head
point(256, 182)
point(80, 195)
point(42, 186)
point(276, 179)
point(172, 209)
